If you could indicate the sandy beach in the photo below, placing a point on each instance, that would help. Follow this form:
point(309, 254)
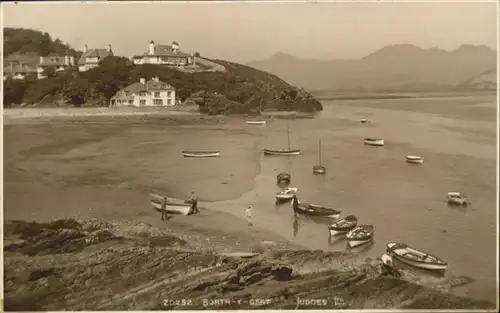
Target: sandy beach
point(103, 167)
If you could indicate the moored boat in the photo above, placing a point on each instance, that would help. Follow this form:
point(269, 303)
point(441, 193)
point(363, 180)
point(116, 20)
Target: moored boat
point(374, 142)
point(286, 194)
point(414, 257)
point(360, 235)
point(319, 168)
point(283, 152)
point(414, 159)
point(363, 120)
point(174, 208)
point(200, 154)
point(314, 209)
point(457, 198)
point(256, 122)
point(343, 225)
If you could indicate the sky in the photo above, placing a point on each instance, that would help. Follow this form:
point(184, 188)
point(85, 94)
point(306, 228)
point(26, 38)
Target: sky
point(244, 32)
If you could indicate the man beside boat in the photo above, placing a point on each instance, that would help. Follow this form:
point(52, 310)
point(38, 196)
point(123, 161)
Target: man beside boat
point(164, 213)
point(194, 203)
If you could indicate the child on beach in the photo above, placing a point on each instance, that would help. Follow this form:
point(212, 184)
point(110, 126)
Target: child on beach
point(248, 213)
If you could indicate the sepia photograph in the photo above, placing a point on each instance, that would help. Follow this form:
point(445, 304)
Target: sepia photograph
point(250, 155)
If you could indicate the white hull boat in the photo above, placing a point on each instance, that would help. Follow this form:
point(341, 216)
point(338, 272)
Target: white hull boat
point(287, 194)
point(200, 154)
point(319, 168)
point(414, 257)
point(256, 122)
point(414, 159)
point(374, 142)
point(343, 226)
point(283, 152)
point(457, 199)
point(360, 235)
point(174, 208)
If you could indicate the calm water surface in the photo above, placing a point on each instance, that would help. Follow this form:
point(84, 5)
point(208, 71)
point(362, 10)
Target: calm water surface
point(406, 203)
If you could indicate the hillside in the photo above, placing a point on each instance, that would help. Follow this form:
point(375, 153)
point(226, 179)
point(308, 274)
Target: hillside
point(237, 90)
point(392, 68)
point(484, 81)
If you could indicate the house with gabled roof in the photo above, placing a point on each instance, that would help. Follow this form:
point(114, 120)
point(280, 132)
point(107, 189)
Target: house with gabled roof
point(20, 66)
point(164, 55)
point(145, 93)
point(56, 62)
point(90, 58)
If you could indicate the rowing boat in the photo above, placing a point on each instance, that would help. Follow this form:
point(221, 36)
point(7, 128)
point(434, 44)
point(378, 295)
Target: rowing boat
point(374, 142)
point(314, 209)
point(256, 122)
point(414, 159)
point(200, 154)
point(414, 257)
point(286, 194)
point(174, 208)
point(360, 235)
point(343, 225)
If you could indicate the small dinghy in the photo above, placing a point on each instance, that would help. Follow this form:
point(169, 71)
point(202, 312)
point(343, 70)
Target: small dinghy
point(414, 257)
point(173, 208)
point(360, 235)
point(456, 198)
point(256, 122)
point(283, 178)
point(286, 194)
point(200, 154)
point(414, 159)
point(343, 225)
point(374, 142)
point(314, 209)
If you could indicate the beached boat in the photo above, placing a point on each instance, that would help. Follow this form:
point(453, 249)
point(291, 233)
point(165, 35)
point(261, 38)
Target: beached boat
point(200, 154)
point(414, 159)
point(283, 178)
point(360, 235)
point(286, 194)
point(319, 168)
point(374, 142)
point(457, 199)
point(256, 122)
point(343, 225)
point(173, 208)
point(314, 209)
point(414, 257)
point(283, 152)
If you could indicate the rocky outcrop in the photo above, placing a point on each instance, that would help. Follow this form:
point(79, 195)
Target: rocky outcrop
point(93, 265)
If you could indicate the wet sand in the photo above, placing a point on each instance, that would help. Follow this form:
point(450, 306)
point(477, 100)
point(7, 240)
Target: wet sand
point(105, 167)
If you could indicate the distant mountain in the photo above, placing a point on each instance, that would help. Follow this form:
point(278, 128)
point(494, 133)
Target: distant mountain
point(397, 67)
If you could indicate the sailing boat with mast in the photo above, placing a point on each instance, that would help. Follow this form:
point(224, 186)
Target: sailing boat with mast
point(283, 151)
point(319, 168)
point(258, 122)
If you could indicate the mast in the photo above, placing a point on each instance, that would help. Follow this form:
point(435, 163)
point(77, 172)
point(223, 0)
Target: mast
point(320, 152)
point(288, 133)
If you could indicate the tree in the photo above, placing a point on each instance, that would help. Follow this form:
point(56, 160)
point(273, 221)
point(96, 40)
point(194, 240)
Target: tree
point(76, 91)
point(13, 91)
point(49, 71)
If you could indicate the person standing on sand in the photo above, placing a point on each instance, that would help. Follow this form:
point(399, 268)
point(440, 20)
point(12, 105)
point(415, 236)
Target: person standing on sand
point(164, 214)
point(194, 203)
point(248, 214)
point(295, 205)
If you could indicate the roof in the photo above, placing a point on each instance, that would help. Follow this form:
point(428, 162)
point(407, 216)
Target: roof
point(100, 53)
point(53, 61)
point(30, 59)
point(137, 87)
point(164, 50)
point(19, 68)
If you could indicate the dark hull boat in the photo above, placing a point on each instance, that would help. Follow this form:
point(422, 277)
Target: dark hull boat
point(360, 235)
point(414, 257)
point(314, 209)
point(343, 225)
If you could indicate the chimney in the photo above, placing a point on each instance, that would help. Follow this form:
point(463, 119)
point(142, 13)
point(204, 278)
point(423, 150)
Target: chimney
point(109, 48)
point(175, 46)
point(156, 79)
point(66, 60)
point(151, 47)
point(143, 80)
point(194, 59)
point(84, 48)
point(41, 59)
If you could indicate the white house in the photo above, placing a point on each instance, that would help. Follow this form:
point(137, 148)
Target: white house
point(145, 93)
point(165, 55)
point(91, 58)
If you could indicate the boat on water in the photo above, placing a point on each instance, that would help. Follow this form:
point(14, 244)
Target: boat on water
point(200, 154)
point(319, 168)
point(283, 152)
point(343, 225)
point(364, 121)
point(360, 235)
point(314, 209)
point(411, 256)
point(414, 159)
point(286, 194)
point(456, 198)
point(256, 122)
point(283, 178)
point(374, 142)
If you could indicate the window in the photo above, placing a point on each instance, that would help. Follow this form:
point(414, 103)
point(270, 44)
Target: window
point(169, 101)
point(158, 101)
point(142, 102)
point(142, 94)
point(169, 93)
point(157, 94)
